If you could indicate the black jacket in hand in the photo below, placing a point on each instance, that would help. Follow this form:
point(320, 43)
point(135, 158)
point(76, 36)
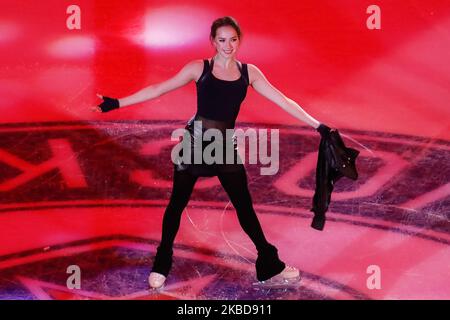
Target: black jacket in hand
point(334, 162)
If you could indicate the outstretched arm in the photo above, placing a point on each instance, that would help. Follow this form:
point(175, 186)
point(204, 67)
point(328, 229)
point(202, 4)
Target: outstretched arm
point(266, 89)
point(184, 76)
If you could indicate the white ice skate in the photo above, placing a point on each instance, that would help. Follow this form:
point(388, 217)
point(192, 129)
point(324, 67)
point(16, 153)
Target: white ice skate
point(156, 280)
point(288, 278)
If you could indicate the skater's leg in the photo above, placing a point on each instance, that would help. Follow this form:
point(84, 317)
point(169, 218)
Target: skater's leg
point(235, 184)
point(183, 184)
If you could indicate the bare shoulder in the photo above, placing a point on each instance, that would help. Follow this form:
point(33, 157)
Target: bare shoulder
point(254, 73)
point(197, 63)
point(252, 68)
point(195, 68)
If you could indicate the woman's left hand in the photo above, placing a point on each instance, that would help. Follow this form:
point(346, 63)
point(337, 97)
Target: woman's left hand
point(324, 130)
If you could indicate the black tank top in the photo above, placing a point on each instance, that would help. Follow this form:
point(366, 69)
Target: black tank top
point(218, 99)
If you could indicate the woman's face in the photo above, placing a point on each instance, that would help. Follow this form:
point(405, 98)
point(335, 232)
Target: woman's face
point(226, 42)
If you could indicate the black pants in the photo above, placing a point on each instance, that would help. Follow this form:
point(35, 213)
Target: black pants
point(268, 263)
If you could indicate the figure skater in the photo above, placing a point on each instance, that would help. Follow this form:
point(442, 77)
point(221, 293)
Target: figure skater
point(222, 83)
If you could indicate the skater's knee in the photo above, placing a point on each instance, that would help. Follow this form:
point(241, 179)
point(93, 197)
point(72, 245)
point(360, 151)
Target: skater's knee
point(175, 208)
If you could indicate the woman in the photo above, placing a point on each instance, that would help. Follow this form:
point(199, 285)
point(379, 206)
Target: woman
point(222, 83)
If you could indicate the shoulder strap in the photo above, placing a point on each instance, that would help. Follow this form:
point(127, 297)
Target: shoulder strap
point(244, 72)
point(211, 66)
point(205, 70)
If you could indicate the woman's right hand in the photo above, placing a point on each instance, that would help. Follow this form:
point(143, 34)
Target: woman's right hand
point(108, 104)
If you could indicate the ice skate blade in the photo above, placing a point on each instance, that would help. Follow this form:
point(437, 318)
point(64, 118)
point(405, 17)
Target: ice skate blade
point(158, 289)
point(278, 284)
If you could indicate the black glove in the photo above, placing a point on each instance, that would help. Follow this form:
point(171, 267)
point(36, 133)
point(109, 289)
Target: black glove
point(109, 104)
point(323, 130)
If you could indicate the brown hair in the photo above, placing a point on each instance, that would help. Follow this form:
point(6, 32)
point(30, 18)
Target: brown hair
point(225, 21)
